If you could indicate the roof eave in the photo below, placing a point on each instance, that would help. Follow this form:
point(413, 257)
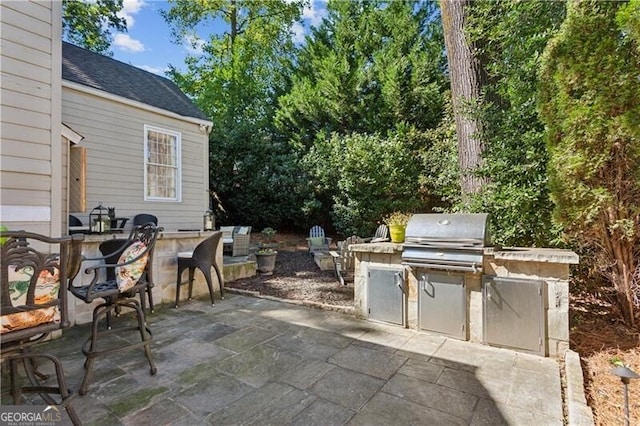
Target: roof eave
point(106, 95)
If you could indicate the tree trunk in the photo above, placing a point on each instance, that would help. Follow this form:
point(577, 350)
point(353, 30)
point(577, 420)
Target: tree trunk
point(467, 77)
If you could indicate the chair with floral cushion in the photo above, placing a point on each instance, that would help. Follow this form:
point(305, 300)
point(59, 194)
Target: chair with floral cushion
point(142, 218)
point(131, 278)
point(35, 275)
point(111, 251)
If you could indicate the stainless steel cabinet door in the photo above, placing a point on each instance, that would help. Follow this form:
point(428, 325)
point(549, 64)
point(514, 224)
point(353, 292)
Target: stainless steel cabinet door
point(386, 295)
point(442, 304)
point(514, 313)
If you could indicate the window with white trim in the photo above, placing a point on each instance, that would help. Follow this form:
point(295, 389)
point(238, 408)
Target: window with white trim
point(162, 171)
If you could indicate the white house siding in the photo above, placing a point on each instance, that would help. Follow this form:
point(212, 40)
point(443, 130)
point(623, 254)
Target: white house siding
point(113, 134)
point(30, 81)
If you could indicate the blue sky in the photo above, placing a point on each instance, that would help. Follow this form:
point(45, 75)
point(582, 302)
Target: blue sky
point(148, 43)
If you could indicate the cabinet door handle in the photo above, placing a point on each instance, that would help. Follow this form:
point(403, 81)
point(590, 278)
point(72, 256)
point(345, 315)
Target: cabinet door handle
point(399, 281)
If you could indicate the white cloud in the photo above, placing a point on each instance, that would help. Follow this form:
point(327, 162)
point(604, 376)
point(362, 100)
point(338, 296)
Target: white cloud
point(130, 8)
point(193, 44)
point(126, 43)
point(298, 32)
point(314, 12)
point(155, 70)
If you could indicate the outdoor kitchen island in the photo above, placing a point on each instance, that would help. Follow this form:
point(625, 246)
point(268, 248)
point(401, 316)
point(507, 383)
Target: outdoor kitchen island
point(518, 299)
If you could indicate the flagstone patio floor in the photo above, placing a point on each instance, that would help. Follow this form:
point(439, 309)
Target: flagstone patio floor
point(248, 361)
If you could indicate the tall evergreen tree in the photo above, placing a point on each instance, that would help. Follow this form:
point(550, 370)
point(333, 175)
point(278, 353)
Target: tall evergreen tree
point(370, 66)
point(590, 103)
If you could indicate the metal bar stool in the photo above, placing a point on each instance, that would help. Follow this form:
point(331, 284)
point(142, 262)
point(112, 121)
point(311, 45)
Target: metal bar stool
point(35, 275)
point(131, 277)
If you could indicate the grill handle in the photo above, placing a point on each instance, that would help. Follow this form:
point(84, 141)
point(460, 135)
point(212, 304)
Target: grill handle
point(471, 268)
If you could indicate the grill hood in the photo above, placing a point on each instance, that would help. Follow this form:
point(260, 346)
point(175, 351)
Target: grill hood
point(441, 230)
point(446, 241)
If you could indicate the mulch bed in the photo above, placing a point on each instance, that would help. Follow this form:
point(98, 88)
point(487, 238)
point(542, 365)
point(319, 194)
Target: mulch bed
point(297, 277)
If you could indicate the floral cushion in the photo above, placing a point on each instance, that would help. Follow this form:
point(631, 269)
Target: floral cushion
point(47, 288)
point(127, 276)
point(30, 318)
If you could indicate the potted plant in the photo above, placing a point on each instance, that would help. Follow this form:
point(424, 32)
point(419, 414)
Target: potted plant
point(397, 223)
point(266, 255)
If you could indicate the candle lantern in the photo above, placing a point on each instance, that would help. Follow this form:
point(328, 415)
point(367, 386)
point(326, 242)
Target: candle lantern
point(99, 220)
point(209, 221)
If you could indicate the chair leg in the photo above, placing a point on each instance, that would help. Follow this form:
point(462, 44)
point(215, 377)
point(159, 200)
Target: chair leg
point(144, 331)
point(92, 351)
point(150, 295)
point(219, 275)
point(192, 271)
point(207, 277)
point(178, 284)
point(143, 302)
point(28, 361)
point(90, 347)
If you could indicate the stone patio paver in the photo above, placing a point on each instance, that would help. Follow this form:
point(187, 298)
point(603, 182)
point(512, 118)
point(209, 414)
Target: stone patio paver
point(255, 361)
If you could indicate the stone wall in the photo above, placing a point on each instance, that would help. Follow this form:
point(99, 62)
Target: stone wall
point(165, 266)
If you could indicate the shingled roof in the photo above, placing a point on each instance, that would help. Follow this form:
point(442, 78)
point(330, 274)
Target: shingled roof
point(103, 73)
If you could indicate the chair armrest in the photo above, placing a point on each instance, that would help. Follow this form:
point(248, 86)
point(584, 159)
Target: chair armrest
point(334, 254)
point(379, 240)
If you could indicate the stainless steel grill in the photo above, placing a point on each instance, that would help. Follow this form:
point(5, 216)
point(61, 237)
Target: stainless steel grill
point(446, 241)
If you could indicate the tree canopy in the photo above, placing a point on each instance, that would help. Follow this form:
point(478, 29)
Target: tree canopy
point(236, 81)
point(369, 67)
point(89, 24)
point(509, 38)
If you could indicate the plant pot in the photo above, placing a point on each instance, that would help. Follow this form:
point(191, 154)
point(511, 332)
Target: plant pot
point(396, 232)
point(266, 262)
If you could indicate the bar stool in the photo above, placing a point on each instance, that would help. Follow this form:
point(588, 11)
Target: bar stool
point(202, 257)
point(131, 279)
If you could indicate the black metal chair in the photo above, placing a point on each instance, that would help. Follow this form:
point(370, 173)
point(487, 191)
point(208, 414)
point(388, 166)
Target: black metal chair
point(111, 251)
point(131, 277)
point(142, 218)
point(202, 257)
point(35, 275)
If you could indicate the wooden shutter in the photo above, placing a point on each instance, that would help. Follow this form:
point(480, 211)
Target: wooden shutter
point(77, 179)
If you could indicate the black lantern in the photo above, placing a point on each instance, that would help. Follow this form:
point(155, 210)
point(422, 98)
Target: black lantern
point(209, 221)
point(99, 220)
